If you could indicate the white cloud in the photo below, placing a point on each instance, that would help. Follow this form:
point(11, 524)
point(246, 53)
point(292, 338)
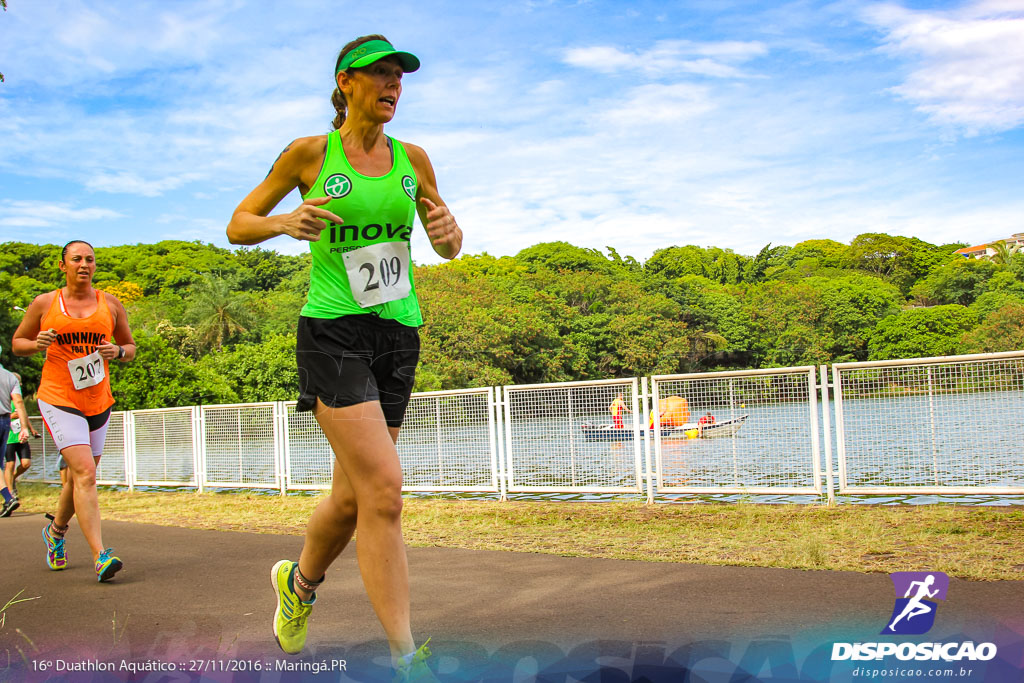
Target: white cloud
point(130, 183)
point(658, 105)
point(669, 58)
point(191, 229)
point(15, 214)
point(968, 64)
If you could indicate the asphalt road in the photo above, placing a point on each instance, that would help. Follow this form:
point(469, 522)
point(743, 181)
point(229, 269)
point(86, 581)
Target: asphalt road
point(202, 602)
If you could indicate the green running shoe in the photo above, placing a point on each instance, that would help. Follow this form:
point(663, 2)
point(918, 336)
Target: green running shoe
point(292, 613)
point(107, 565)
point(55, 557)
point(415, 670)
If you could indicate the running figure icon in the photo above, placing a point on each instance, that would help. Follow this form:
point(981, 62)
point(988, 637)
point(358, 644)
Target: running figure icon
point(914, 612)
point(916, 607)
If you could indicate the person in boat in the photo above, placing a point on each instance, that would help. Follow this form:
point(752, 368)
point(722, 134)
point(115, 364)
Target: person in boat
point(674, 412)
point(705, 421)
point(617, 407)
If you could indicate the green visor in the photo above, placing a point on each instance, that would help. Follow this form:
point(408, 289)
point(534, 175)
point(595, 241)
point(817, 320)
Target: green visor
point(373, 50)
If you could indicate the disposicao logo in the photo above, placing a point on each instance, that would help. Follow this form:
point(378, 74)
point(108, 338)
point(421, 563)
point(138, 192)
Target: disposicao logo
point(914, 614)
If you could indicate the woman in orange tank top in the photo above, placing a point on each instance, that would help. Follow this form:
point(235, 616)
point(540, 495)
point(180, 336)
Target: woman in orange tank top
point(76, 327)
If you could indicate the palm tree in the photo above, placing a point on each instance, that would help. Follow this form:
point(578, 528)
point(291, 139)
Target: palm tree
point(220, 311)
point(1004, 252)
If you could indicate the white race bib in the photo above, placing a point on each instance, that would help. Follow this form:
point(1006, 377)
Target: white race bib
point(379, 273)
point(87, 371)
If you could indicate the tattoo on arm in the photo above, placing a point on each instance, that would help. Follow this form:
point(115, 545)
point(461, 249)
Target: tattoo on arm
point(279, 158)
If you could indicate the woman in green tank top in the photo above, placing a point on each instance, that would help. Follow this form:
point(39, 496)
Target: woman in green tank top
point(358, 342)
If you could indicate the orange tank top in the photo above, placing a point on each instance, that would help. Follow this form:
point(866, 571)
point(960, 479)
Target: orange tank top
point(71, 378)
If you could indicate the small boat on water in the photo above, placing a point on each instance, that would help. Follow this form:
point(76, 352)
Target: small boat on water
point(690, 430)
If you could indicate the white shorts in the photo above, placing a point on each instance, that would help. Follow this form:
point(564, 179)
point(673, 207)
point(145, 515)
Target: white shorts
point(70, 427)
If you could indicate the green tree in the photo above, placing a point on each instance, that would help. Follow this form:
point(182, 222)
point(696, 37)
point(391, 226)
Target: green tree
point(852, 305)
point(559, 256)
point(921, 333)
point(165, 308)
point(714, 309)
point(257, 372)
point(787, 324)
point(958, 282)
point(480, 331)
point(990, 302)
point(11, 300)
point(160, 377)
point(901, 260)
point(170, 264)
point(219, 311)
point(266, 270)
point(768, 262)
point(830, 253)
point(34, 261)
point(809, 258)
point(1001, 330)
point(718, 265)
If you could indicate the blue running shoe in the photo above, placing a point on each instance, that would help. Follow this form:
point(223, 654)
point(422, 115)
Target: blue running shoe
point(55, 557)
point(107, 565)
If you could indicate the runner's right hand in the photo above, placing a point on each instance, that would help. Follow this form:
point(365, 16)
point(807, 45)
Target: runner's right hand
point(45, 338)
point(304, 222)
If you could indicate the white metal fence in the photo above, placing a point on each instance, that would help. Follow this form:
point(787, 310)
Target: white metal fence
point(921, 426)
point(546, 449)
point(948, 425)
point(768, 443)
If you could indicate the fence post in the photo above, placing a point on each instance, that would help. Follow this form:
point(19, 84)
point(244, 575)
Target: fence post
point(732, 416)
point(840, 430)
point(506, 409)
point(199, 446)
point(572, 438)
point(638, 446)
point(280, 445)
point(826, 414)
point(499, 434)
point(492, 438)
point(655, 425)
point(812, 405)
point(129, 448)
point(640, 413)
point(931, 417)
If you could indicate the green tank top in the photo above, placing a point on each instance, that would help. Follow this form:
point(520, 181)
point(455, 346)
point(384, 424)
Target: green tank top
point(365, 264)
point(15, 430)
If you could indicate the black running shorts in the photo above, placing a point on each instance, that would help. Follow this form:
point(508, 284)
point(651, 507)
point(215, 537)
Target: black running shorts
point(354, 359)
point(18, 451)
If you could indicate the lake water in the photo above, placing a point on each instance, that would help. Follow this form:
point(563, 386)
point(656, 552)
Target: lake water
point(911, 441)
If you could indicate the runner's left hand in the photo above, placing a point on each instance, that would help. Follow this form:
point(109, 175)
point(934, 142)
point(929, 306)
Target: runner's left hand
point(108, 350)
point(441, 226)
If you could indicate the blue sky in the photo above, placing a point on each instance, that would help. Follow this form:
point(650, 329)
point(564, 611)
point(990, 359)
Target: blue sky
point(635, 125)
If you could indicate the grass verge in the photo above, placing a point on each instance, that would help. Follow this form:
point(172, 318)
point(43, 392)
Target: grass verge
point(977, 543)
